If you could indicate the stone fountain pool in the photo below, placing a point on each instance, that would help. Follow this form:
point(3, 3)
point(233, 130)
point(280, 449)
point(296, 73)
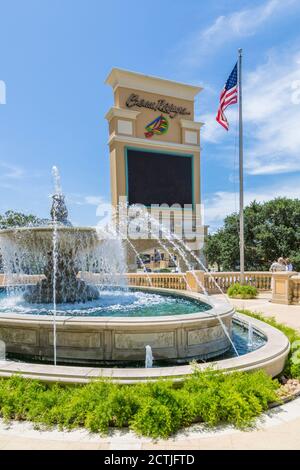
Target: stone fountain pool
point(66, 317)
point(116, 327)
point(122, 303)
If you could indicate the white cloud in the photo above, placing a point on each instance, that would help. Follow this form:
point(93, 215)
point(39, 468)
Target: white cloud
point(83, 200)
point(223, 203)
point(93, 200)
point(212, 131)
point(230, 27)
point(103, 208)
point(271, 115)
point(10, 176)
point(9, 171)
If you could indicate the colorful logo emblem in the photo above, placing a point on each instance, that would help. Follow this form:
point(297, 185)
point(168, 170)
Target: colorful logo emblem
point(159, 126)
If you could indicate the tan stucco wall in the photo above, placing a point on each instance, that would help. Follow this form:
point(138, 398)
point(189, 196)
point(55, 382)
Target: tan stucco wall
point(174, 133)
point(138, 117)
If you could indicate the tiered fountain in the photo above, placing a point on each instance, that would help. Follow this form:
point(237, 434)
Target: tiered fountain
point(67, 302)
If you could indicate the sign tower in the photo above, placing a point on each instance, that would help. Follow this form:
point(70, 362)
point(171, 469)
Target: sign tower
point(154, 145)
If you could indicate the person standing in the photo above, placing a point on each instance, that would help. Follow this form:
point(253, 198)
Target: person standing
point(288, 264)
point(275, 267)
point(278, 265)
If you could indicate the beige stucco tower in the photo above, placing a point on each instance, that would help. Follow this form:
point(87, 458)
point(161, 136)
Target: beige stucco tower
point(154, 145)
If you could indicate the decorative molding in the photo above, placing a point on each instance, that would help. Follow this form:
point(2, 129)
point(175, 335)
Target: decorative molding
point(137, 81)
point(153, 143)
point(121, 113)
point(191, 137)
point(186, 124)
point(125, 127)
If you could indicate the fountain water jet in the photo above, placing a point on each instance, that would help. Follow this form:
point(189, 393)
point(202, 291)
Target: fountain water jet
point(250, 335)
point(54, 213)
point(148, 357)
point(168, 236)
point(2, 351)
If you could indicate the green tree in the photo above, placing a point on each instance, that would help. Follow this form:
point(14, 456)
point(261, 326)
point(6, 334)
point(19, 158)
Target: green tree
point(17, 219)
point(11, 219)
point(272, 229)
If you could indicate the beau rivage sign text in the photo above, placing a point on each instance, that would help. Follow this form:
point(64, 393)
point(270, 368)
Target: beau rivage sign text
point(160, 105)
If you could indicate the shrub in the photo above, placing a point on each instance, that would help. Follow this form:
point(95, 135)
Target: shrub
point(125, 402)
point(17, 396)
point(153, 409)
point(162, 395)
point(238, 291)
point(234, 398)
point(295, 371)
point(154, 419)
point(295, 359)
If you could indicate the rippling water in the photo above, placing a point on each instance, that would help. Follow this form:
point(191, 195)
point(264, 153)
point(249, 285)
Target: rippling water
point(113, 303)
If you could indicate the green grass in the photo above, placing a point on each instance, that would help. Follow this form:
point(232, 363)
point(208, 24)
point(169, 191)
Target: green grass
point(292, 367)
point(152, 409)
point(238, 291)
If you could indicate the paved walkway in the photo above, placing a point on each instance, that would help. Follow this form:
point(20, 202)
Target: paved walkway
point(288, 314)
point(277, 429)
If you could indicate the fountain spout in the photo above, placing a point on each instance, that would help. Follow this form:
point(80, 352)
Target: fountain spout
point(149, 357)
point(2, 351)
point(59, 211)
point(250, 335)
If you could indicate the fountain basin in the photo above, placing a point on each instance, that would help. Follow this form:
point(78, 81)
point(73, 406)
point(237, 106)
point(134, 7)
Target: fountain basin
point(271, 358)
point(115, 340)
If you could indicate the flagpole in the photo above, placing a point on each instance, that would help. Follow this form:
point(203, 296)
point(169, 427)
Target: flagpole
point(241, 170)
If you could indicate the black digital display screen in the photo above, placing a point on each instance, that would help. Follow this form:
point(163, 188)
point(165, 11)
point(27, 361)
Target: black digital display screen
point(158, 178)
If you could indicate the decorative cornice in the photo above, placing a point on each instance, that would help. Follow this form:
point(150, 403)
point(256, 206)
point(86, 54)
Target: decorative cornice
point(121, 113)
point(153, 143)
point(186, 124)
point(137, 81)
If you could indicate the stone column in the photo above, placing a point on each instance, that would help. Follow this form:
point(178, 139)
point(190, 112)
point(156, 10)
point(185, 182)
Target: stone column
point(191, 279)
point(131, 260)
point(295, 281)
point(282, 287)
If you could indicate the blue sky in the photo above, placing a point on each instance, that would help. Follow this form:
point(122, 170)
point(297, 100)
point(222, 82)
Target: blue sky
point(56, 54)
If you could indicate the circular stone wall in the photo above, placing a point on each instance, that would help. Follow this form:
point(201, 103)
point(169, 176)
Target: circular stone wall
point(271, 358)
point(115, 340)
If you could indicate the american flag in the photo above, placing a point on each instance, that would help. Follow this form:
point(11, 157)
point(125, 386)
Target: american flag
point(228, 97)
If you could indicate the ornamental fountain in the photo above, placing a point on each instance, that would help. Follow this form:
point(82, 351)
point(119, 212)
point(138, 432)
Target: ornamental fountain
point(30, 250)
point(67, 302)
